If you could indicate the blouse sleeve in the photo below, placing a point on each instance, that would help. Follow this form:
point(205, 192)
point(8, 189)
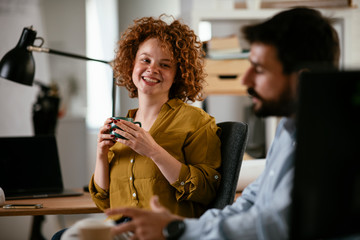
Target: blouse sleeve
point(199, 179)
point(99, 195)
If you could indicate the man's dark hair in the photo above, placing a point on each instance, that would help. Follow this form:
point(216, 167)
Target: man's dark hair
point(302, 36)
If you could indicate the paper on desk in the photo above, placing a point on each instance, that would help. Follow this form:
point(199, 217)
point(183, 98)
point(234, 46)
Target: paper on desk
point(250, 170)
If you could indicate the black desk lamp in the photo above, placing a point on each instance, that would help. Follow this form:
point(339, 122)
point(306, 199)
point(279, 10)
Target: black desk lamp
point(18, 64)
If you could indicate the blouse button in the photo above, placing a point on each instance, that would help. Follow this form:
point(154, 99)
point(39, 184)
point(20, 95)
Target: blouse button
point(216, 177)
point(130, 178)
point(182, 183)
point(132, 160)
point(134, 194)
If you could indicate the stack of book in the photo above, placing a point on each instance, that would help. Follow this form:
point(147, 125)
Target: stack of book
point(294, 3)
point(225, 48)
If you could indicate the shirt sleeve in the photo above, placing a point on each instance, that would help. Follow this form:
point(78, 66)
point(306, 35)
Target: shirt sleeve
point(99, 195)
point(243, 220)
point(199, 178)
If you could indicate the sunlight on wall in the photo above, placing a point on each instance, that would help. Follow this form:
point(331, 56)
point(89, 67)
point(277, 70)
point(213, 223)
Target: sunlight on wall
point(205, 31)
point(101, 38)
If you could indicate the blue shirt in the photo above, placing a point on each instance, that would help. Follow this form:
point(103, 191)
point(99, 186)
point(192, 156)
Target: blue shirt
point(262, 211)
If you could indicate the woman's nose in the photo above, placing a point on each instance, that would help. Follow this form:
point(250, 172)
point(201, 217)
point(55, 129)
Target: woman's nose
point(152, 68)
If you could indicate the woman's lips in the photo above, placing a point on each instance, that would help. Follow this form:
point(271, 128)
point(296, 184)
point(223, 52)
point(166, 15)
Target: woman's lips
point(150, 80)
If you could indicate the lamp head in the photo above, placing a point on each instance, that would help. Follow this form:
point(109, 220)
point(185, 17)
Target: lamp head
point(18, 64)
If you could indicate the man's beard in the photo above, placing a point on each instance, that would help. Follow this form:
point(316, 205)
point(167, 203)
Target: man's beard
point(285, 105)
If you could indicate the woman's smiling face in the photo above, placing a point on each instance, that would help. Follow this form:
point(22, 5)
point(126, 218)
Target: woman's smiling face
point(154, 70)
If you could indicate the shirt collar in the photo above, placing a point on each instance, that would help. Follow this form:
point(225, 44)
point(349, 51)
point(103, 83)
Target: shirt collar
point(290, 126)
point(174, 103)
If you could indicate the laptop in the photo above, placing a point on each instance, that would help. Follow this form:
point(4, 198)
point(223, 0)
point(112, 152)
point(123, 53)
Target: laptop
point(326, 193)
point(30, 168)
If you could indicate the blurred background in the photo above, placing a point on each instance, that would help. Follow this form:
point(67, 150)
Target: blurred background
point(92, 28)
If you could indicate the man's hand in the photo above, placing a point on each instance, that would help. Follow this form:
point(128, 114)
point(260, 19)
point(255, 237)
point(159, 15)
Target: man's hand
point(145, 224)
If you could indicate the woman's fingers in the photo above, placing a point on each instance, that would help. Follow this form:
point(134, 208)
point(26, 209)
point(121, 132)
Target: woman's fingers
point(105, 128)
point(102, 137)
point(129, 125)
point(108, 121)
point(127, 129)
point(104, 131)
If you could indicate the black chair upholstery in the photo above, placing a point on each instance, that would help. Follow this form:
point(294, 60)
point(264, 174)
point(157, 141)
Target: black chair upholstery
point(234, 136)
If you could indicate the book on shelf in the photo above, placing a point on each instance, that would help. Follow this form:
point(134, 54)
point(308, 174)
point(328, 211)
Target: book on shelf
point(294, 3)
point(225, 48)
point(223, 55)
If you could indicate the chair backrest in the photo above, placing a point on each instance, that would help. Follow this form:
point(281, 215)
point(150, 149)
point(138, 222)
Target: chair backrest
point(234, 136)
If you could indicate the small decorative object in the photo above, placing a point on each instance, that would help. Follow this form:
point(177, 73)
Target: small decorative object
point(253, 4)
point(45, 110)
point(2, 197)
point(247, 4)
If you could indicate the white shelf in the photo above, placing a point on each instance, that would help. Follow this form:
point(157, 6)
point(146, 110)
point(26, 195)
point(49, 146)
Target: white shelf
point(235, 14)
point(260, 14)
point(346, 23)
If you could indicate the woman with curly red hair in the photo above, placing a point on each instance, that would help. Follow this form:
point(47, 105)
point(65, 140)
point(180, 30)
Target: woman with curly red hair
point(176, 152)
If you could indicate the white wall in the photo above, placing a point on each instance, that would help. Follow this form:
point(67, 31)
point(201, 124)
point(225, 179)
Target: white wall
point(64, 23)
point(16, 100)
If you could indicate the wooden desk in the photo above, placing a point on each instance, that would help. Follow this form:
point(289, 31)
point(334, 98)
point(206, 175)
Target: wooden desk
point(53, 206)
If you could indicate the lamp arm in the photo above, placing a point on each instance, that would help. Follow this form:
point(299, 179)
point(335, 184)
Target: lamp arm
point(48, 50)
point(52, 51)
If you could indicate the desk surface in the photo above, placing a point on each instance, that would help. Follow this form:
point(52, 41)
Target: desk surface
point(55, 206)
point(59, 205)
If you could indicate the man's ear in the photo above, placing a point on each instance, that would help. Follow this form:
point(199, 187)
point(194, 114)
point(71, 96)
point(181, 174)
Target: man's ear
point(294, 78)
point(303, 70)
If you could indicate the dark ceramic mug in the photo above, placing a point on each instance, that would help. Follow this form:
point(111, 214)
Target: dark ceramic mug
point(113, 125)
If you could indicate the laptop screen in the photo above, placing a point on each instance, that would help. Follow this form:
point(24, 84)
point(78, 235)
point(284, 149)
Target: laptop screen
point(29, 165)
point(326, 194)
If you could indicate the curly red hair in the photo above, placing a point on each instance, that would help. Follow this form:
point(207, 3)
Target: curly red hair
point(176, 37)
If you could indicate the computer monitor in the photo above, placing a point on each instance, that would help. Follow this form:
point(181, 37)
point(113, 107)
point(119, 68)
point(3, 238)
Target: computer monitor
point(326, 193)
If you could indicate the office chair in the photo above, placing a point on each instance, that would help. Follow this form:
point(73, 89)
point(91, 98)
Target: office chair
point(234, 136)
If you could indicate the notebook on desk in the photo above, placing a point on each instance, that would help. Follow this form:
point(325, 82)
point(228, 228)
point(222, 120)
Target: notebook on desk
point(30, 168)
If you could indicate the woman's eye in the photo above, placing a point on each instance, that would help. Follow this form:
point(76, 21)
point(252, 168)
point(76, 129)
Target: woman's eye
point(145, 60)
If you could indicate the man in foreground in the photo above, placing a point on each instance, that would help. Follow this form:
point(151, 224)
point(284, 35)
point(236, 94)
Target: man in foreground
point(291, 42)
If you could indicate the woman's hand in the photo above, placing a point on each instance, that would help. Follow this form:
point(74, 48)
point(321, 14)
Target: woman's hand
point(144, 144)
point(105, 139)
point(137, 138)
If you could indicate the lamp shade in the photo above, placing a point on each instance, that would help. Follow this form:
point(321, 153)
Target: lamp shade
point(18, 64)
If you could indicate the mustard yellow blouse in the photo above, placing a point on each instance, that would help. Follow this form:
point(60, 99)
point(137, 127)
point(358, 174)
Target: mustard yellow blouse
point(191, 136)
